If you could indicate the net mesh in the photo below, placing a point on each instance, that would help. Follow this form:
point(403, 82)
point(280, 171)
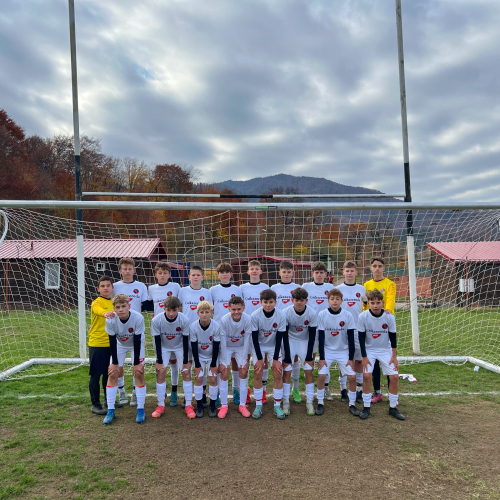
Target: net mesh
point(457, 267)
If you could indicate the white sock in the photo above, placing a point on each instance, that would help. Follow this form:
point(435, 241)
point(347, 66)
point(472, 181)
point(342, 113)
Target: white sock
point(321, 396)
point(278, 395)
point(367, 400)
point(243, 390)
point(310, 392)
point(236, 379)
point(327, 379)
point(352, 398)
point(121, 383)
point(174, 373)
point(359, 378)
point(265, 375)
point(188, 391)
point(296, 375)
point(393, 399)
point(343, 382)
point(140, 393)
point(286, 391)
point(160, 393)
point(257, 395)
point(111, 396)
point(198, 392)
point(223, 388)
point(213, 390)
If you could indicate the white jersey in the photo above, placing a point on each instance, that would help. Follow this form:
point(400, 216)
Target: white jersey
point(204, 338)
point(220, 296)
point(170, 331)
point(125, 331)
point(353, 299)
point(237, 334)
point(284, 294)
point(299, 323)
point(377, 329)
point(335, 326)
point(158, 293)
point(190, 298)
point(317, 298)
point(268, 327)
point(250, 293)
point(136, 291)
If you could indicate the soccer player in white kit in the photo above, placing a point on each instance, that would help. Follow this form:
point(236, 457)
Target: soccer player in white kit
point(157, 294)
point(126, 334)
point(137, 293)
point(204, 335)
point(301, 322)
point(354, 297)
point(377, 341)
point(251, 295)
point(268, 333)
point(169, 329)
point(236, 336)
point(317, 290)
point(336, 344)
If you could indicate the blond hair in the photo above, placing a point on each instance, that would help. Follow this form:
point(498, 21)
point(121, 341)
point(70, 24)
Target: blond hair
point(205, 305)
point(121, 298)
point(126, 261)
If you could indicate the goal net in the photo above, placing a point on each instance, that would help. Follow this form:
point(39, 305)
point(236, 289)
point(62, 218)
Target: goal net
point(457, 264)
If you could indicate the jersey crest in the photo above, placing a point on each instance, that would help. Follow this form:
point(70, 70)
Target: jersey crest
point(342, 323)
point(384, 326)
point(131, 330)
point(202, 298)
point(135, 290)
point(169, 294)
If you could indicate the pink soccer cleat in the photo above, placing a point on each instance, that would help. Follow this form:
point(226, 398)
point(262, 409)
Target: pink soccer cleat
point(189, 410)
point(160, 410)
point(376, 397)
point(244, 411)
point(222, 412)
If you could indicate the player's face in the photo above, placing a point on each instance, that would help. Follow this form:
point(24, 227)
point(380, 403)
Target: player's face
point(204, 315)
point(105, 288)
point(122, 310)
point(225, 278)
point(196, 277)
point(377, 269)
point(299, 304)
point(236, 310)
point(162, 276)
point(376, 305)
point(319, 276)
point(334, 301)
point(350, 273)
point(171, 313)
point(254, 272)
point(286, 275)
point(268, 305)
point(127, 271)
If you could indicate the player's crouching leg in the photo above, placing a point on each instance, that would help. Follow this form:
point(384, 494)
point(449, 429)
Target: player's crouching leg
point(111, 390)
point(393, 397)
point(140, 391)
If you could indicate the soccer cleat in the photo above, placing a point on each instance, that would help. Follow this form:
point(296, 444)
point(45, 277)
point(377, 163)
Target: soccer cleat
point(141, 416)
point(160, 410)
point(123, 397)
point(344, 398)
point(133, 400)
point(173, 398)
point(98, 410)
point(328, 394)
point(278, 411)
point(359, 396)
point(394, 412)
point(183, 405)
point(354, 410)
point(319, 410)
point(212, 412)
point(264, 399)
point(376, 397)
point(257, 413)
point(236, 396)
point(244, 411)
point(222, 412)
point(286, 407)
point(310, 408)
point(217, 401)
point(248, 396)
point(296, 396)
point(365, 413)
point(189, 410)
point(109, 417)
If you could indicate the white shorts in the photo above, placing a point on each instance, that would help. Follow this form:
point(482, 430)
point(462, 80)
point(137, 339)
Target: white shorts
point(172, 355)
point(203, 362)
point(270, 353)
point(357, 354)
point(123, 351)
point(383, 356)
point(299, 348)
point(240, 355)
point(339, 357)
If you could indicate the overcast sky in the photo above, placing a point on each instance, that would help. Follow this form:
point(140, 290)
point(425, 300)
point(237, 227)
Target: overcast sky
point(248, 88)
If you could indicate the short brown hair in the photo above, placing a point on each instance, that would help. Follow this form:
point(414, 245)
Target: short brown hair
point(126, 261)
point(104, 278)
point(300, 294)
point(121, 298)
point(350, 263)
point(373, 259)
point(235, 300)
point(267, 294)
point(335, 292)
point(172, 303)
point(224, 267)
point(375, 295)
point(286, 264)
point(164, 266)
point(254, 263)
point(196, 268)
point(318, 266)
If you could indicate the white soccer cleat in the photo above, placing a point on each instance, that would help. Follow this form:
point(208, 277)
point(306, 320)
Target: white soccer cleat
point(328, 395)
point(123, 398)
point(310, 408)
point(286, 407)
point(133, 400)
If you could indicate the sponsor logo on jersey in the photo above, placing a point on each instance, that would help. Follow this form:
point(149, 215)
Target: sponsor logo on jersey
point(266, 334)
point(376, 335)
point(205, 346)
point(306, 322)
point(130, 299)
point(334, 333)
point(319, 301)
point(285, 301)
point(299, 329)
point(123, 339)
point(342, 324)
point(161, 304)
point(234, 340)
point(169, 294)
point(226, 304)
point(170, 337)
point(384, 326)
point(358, 295)
point(255, 302)
point(131, 330)
point(193, 307)
point(135, 290)
point(350, 304)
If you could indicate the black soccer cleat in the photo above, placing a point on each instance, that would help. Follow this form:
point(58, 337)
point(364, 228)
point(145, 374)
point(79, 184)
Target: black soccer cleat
point(365, 413)
point(354, 410)
point(212, 412)
point(359, 397)
point(204, 399)
point(199, 409)
point(319, 410)
point(98, 410)
point(394, 412)
point(344, 398)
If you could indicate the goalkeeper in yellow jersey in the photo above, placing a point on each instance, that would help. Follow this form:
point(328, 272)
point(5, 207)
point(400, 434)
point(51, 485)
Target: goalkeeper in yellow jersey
point(388, 289)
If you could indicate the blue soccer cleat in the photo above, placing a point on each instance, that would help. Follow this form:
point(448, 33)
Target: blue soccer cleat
point(140, 416)
point(173, 398)
point(217, 401)
point(236, 396)
point(109, 417)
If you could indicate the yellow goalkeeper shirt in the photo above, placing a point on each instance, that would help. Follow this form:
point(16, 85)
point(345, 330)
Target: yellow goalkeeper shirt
point(388, 289)
point(97, 333)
